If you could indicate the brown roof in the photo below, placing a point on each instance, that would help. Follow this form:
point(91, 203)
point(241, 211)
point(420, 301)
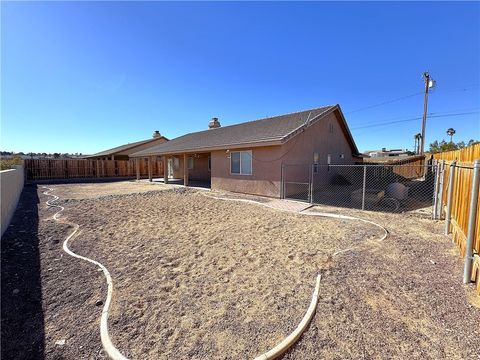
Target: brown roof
point(269, 131)
point(121, 148)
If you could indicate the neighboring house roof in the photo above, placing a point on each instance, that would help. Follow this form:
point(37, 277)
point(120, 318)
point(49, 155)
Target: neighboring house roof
point(263, 132)
point(125, 147)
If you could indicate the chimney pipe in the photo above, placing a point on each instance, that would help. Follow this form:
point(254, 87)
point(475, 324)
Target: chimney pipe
point(156, 134)
point(214, 123)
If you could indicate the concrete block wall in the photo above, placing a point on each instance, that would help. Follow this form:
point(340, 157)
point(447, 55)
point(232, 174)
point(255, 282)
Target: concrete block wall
point(11, 185)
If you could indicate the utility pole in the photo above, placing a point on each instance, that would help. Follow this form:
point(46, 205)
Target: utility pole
point(429, 83)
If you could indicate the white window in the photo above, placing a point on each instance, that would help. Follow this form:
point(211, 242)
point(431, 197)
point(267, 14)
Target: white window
point(190, 163)
point(241, 162)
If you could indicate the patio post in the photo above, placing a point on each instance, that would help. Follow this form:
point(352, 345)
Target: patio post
point(165, 169)
point(185, 170)
point(137, 167)
point(150, 175)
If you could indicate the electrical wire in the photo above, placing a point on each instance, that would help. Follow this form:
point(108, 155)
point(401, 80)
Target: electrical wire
point(385, 102)
point(465, 88)
point(412, 119)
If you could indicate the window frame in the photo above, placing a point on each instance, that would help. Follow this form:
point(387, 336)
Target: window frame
point(190, 158)
point(240, 162)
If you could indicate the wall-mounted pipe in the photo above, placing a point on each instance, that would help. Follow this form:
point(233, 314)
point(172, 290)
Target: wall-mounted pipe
point(467, 270)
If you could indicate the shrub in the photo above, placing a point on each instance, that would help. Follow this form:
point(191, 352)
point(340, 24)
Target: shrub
point(6, 164)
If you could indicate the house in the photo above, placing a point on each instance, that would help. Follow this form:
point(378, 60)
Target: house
point(385, 153)
point(123, 152)
point(248, 157)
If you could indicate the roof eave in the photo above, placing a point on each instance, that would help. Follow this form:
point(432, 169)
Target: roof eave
point(260, 143)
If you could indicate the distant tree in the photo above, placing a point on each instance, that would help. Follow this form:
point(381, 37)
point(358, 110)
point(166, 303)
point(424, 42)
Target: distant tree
point(442, 146)
point(434, 147)
point(451, 132)
point(56, 155)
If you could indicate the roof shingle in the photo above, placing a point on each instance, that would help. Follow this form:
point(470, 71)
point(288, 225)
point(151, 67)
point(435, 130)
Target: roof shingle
point(257, 131)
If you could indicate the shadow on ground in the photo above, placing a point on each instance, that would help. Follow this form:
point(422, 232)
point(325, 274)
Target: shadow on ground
point(22, 322)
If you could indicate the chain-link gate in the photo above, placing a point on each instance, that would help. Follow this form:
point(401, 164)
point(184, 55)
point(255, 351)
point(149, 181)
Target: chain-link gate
point(392, 188)
point(296, 182)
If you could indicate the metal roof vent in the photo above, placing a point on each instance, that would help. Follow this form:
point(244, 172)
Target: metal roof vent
point(214, 123)
point(156, 134)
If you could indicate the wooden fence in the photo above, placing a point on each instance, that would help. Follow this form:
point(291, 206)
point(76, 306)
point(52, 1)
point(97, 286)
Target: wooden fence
point(460, 206)
point(46, 169)
point(413, 167)
point(465, 155)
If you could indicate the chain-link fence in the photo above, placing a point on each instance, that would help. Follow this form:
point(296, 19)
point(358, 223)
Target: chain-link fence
point(393, 188)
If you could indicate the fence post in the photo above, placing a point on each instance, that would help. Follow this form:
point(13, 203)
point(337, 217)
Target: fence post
point(467, 270)
point(364, 185)
point(448, 214)
point(440, 194)
point(311, 184)
point(435, 196)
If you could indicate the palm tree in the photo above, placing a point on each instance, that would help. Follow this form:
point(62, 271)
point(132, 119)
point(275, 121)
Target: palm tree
point(451, 132)
point(417, 142)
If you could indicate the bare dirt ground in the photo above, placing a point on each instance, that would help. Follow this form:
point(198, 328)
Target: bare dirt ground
point(94, 190)
point(196, 277)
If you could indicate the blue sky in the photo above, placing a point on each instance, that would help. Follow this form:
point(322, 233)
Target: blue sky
point(82, 77)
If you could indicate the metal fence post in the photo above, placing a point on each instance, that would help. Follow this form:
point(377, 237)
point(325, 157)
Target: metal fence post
point(311, 184)
point(448, 214)
point(364, 185)
point(440, 194)
point(467, 270)
point(435, 196)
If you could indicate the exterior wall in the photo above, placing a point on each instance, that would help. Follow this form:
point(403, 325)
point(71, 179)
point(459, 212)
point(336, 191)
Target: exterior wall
point(265, 178)
point(200, 170)
point(11, 181)
point(318, 138)
point(324, 137)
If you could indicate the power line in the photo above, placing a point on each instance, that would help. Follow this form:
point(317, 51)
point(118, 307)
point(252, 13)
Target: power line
point(385, 102)
point(464, 88)
point(428, 114)
point(412, 119)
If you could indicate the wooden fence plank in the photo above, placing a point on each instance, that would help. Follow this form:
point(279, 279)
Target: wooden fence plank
point(462, 187)
point(52, 169)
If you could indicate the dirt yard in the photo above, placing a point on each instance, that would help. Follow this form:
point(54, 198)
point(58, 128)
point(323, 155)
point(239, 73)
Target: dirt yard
point(200, 278)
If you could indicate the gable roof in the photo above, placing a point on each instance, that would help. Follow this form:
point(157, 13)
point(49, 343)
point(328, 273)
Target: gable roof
point(121, 148)
point(263, 132)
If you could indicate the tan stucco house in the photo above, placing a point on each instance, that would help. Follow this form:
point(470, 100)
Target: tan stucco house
point(248, 157)
point(123, 152)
